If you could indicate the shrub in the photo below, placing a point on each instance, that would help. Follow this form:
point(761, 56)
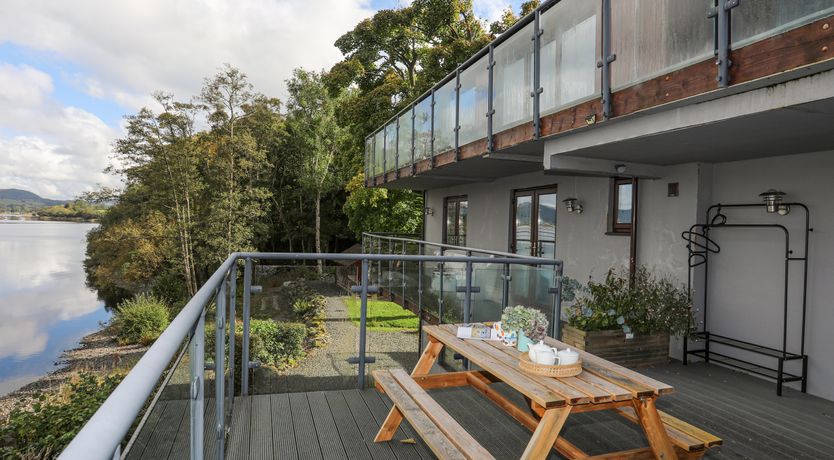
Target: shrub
point(140, 319)
point(53, 420)
point(650, 304)
point(283, 343)
point(309, 307)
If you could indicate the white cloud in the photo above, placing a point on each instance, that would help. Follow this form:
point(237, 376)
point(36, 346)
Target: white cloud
point(123, 51)
point(139, 47)
point(57, 151)
point(491, 10)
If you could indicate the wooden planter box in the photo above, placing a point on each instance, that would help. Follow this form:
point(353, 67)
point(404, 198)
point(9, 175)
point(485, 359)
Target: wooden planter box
point(640, 351)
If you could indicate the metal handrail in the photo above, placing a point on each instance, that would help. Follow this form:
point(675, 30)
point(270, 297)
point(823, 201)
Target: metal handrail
point(102, 435)
point(538, 260)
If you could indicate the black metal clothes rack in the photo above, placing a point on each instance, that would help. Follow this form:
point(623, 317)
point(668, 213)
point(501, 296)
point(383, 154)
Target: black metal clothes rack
point(700, 246)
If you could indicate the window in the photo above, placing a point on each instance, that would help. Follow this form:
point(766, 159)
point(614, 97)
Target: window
point(534, 222)
point(454, 220)
point(623, 201)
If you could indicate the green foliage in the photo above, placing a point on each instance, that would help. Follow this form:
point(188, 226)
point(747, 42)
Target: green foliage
point(382, 210)
point(43, 430)
point(73, 210)
point(530, 320)
point(383, 315)
point(140, 319)
point(648, 304)
point(282, 343)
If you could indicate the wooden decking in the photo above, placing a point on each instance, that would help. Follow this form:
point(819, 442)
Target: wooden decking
point(743, 411)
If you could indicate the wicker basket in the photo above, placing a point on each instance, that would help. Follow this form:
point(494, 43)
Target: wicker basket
point(568, 370)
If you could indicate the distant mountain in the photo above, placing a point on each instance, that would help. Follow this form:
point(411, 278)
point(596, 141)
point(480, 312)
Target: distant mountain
point(16, 200)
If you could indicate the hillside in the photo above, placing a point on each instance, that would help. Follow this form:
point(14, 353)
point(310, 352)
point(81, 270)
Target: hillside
point(16, 200)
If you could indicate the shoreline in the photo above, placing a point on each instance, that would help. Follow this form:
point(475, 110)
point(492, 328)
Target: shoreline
point(96, 353)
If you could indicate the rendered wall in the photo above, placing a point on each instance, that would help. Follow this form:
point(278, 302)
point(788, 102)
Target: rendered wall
point(745, 278)
point(581, 241)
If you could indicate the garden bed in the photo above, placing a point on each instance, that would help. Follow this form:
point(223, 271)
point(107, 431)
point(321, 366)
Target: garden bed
point(639, 351)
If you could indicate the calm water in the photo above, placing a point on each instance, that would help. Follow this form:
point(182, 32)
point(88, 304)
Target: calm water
point(45, 306)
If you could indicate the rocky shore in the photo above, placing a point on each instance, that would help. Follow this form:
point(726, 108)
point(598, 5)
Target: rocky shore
point(97, 353)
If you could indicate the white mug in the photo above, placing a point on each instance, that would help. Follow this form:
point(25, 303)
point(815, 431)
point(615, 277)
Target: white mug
point(568, 356)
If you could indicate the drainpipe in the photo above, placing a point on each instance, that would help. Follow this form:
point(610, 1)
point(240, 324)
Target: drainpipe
point(632, 257)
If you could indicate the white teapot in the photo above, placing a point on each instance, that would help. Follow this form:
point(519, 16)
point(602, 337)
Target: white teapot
point(543, 354)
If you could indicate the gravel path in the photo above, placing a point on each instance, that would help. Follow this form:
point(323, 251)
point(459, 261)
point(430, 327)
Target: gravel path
point(327, 368)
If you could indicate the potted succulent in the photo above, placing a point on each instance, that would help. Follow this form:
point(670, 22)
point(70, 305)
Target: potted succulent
point(628, 321)
point(529, 324)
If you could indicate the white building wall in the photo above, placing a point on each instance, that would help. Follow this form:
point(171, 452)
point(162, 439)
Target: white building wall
point(745, 297)
point(581, 241)
point(745, 279)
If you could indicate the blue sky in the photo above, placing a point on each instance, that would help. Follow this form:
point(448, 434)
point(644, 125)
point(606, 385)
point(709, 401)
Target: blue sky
point(69, 71)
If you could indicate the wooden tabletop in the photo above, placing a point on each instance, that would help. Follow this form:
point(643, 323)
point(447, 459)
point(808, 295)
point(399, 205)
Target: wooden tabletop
point(600, 380)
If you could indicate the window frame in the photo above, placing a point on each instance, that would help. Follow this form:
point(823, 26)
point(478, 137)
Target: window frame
point(457, 199)
point(533, 193)
point(615, 228)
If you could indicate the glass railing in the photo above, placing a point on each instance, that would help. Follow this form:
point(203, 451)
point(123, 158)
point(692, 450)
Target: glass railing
point(523, 76)
point(267, 324)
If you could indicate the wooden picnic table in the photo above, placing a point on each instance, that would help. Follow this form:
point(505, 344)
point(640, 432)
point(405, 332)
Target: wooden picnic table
point(602, 385)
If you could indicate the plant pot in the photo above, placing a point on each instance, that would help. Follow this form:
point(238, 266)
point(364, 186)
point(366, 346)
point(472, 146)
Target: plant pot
point(524, 342)
point(640, 351)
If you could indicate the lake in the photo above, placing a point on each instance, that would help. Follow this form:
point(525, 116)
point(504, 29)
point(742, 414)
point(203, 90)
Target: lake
point(46, 307)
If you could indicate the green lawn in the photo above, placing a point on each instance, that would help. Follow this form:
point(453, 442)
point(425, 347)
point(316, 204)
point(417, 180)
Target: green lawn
point(383, 315)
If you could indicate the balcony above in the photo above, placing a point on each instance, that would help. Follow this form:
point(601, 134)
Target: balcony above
point(577, 66)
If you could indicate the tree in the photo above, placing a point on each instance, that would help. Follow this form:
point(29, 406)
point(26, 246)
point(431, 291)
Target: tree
point(382, 210)
point(157, 154)
point(315, 134)
point(235, 168)
point(509, 18)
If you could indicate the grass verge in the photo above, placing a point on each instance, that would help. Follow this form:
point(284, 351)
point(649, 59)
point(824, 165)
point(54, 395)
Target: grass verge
point(382, 315)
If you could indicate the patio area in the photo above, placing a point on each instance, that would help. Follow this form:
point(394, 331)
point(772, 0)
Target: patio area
point(744, 411)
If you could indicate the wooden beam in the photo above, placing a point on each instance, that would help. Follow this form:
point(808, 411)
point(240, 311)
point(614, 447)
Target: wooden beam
point(562, 445)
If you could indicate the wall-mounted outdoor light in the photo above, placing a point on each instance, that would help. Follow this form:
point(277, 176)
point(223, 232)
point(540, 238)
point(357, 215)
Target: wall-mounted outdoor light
point(429, 211)
point(773, 201)
point(573, 205)
point(620, 168)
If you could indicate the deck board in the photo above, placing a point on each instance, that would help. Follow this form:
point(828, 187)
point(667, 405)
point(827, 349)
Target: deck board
point(744, 411)
point(283, 436)
point(305, 429)
point(260, 438)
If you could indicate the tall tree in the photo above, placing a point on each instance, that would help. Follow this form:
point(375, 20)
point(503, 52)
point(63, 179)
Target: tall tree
point(158, 154)
point(236, 164)
point(314, 132)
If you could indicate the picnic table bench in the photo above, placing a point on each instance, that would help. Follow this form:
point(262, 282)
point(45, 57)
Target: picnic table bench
point(602, 385)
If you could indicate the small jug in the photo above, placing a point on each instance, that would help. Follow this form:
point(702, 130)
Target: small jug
point(543, 354)
point(568, 356)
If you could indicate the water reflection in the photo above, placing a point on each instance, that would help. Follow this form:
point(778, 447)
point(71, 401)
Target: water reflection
point(45, 304)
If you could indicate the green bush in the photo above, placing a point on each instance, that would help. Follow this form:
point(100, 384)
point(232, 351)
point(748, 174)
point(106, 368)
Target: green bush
point(43, 430)
point(140, 319)
point(282, 343)
point(648, 304)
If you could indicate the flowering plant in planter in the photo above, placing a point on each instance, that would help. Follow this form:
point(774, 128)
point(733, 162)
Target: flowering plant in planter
point(650, 304)
point(532, 322)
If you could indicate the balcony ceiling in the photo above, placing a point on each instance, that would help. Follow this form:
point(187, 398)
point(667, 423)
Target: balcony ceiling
point(479, 169)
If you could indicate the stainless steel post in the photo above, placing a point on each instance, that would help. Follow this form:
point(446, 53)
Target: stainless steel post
point(219, 370)
point(557, 308)
point(363, 316)
point(244, 353)
point(197, 357)
point(232, 300)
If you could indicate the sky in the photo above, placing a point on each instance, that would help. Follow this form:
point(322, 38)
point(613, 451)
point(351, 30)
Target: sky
point(70, 70)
